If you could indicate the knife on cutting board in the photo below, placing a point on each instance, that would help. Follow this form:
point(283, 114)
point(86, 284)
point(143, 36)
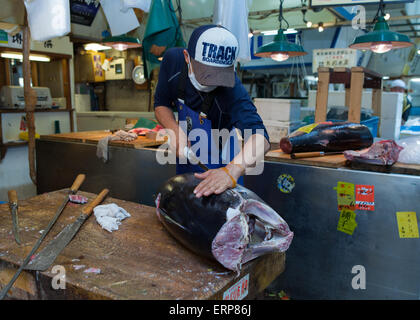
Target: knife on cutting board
point(47, 256)
point(312, 154)
point(13, 205)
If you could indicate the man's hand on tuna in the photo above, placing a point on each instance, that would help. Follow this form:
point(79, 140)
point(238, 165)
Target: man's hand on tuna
point(217, 180)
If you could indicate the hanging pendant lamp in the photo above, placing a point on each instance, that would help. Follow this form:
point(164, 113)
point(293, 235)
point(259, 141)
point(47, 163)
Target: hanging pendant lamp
point(122, 42)
point(381, 39)
point(280, 49)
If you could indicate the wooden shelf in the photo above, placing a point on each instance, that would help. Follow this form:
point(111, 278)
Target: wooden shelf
point(36, 110)
point(15, 143)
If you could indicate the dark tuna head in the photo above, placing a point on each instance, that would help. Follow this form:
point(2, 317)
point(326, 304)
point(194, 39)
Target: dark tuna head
point(233, 227)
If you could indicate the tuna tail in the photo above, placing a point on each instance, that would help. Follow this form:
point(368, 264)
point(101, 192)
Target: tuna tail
point(255, 231)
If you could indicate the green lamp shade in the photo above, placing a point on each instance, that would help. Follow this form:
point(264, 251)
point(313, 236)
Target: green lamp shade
point(122, 42)
point(280, 45)
point(381, 35)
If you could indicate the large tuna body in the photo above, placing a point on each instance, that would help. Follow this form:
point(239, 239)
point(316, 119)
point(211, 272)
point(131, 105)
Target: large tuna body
point(233, 227)
point(328, 136)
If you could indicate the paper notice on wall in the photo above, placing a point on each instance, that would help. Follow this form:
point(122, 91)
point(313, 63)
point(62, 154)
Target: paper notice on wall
point(345, 196)
point(119, 22)
point(48, 19)
point(407, 225)
point(347, 221)
point(140, 4)
point(365, 197)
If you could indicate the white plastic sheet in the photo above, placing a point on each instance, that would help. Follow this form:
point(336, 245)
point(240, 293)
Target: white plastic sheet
point(233, 15)
point(139, 4)
point(411, 151)
point(48, 19)
point(120, 22)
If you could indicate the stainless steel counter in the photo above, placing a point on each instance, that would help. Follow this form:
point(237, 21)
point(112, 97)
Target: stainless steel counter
point(320, 260)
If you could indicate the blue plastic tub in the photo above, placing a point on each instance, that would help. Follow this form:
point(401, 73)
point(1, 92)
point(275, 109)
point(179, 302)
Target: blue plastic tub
point(2, 202)
point(371, 123)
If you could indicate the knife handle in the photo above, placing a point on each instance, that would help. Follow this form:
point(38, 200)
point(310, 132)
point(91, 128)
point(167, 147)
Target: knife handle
point(89, 208)
point(306, 155)
point(77, 183)
point(13, 199)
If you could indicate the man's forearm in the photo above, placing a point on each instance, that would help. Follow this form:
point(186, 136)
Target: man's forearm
point(254, 150)
point(166, 118)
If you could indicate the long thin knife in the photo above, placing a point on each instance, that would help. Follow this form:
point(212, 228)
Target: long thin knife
point(46, 256)
point(313, 154)
point(13, 205)
point(76, 185)
point(190, 155)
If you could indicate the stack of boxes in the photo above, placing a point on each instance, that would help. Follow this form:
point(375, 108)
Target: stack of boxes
point(280, 116)
point(391, 113)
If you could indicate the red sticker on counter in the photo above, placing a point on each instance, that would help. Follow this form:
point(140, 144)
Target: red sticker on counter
point(365, 197)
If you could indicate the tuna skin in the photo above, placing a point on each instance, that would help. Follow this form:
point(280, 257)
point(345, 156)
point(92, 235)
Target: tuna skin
point(328, 137)
point(232, 228)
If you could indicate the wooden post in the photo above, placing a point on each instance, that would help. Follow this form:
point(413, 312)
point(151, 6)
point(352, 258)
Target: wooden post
point(7, 72)
point(65, 66)
point(376, 106)
point(30, 100)
point(34, 74)
point(322, 94)
point(347, 98)
point(356, 90)
point(376, 102)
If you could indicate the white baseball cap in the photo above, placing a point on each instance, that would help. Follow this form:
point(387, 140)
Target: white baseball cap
point(213, 50)
point(398, 83)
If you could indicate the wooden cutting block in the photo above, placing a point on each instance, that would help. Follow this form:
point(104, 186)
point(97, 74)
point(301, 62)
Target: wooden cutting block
point(140, 260)
point(332, 161)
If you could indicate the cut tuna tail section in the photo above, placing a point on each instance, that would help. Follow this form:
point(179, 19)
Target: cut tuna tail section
point(256, 231)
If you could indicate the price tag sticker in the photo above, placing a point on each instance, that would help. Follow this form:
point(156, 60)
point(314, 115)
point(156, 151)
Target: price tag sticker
point(345, 196)
point(365, 197)
point(347, 221)
point(407, 225)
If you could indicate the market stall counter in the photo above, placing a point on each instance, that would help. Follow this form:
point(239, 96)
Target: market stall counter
point(138, 261)
point(356, 230)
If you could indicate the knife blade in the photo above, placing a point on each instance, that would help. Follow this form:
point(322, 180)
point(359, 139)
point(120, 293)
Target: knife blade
point(190, 155)
point(45, 258)
point(73, 189)
point(13, 205)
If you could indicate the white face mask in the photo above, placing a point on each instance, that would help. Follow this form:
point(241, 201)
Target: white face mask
point(195, 83)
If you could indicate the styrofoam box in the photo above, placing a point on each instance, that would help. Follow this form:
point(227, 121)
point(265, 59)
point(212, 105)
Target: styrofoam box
point(278, 109)
point(390, 128)
point(279, 129)
point(392, 105)
point(82, 102)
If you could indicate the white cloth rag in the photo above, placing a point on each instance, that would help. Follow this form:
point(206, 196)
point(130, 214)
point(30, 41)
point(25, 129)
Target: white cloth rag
point(109, 216)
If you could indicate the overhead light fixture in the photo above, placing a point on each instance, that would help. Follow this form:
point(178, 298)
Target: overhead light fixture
point(269, 32)
point(96, 47)
point(19, 56)
point(381, 39)
point(320, 27)
point(387, 16)
point(280, 49)
point(415, 79)
point(418, 51)
point(308, 22)
point(122, 43)
point(385, 77)
point(290, 31)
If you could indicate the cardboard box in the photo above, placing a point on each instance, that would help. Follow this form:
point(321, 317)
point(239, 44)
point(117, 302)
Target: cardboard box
point(278, 109)
point(279, 129)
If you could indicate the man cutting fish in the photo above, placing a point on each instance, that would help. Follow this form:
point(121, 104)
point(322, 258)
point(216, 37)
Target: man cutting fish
point(200, 83)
